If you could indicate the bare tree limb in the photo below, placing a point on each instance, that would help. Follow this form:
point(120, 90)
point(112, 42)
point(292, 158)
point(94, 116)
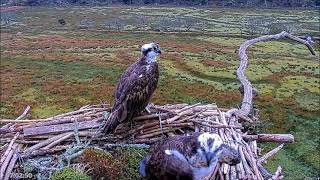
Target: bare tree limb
point(246, 103)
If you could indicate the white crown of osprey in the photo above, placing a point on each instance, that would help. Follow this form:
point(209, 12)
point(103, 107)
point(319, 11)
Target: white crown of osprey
point(147, 46)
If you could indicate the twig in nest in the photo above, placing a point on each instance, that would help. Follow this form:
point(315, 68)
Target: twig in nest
point(187, 107)
point(160, 123)
point(41, 152)
point(76, 132)
point(25, 112)
point(7, 159)
point(44, 143)
point(68, 135)
point(278, 174)
point(126, 145)
point(269, 154)
point(148, 140)
point(216, 126)
point(4, 156)
point(149, 116)
point(193, 116)
point(12, 162)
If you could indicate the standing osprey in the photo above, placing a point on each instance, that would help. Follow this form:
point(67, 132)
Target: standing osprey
point(135, 87)
point(187, 157)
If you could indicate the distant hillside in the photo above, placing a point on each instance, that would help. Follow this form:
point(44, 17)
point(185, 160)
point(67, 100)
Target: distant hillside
point(216, 3)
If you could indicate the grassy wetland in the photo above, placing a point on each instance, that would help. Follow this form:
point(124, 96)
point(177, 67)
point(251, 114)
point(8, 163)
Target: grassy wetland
point(57, 67)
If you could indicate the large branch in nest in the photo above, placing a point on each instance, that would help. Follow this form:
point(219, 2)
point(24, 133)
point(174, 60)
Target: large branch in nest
point(246, 103)
point(280, 138)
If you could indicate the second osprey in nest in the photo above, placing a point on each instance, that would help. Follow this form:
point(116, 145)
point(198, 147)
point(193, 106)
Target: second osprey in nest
point(135, 87)
point(187, 157)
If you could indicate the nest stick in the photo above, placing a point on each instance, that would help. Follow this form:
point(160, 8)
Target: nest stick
point(149, 116)
point(220, 174)
point(44, 143)
point(12, 162)
point(4, 156)
point(269, 154)
point(41, 152)
point(187, 108)
point(127, 145)
point(193, 116)
point(68, 135)
point(6, 161)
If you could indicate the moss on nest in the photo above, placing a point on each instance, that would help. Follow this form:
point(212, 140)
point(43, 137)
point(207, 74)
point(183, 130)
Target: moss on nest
point(119, 163)
point(70, 174)
point(103, 164)
point(131, 158)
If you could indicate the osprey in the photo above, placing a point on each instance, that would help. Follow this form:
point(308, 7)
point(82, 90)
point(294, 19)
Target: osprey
point(187, 157)
point(135, 87)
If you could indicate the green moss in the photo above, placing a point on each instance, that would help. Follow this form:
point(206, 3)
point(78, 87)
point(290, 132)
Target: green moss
point(102, 163)
point(132, 158)
point(70, 174)
point(119, 163)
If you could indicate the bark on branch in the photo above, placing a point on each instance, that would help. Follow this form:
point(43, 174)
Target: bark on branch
point(280, 138)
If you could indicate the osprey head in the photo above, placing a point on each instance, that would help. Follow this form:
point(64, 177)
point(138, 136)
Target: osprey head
point(151, 49)
point(210, 146)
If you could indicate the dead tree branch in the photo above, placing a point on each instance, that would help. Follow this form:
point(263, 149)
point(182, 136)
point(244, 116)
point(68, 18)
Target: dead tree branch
point(246, 103)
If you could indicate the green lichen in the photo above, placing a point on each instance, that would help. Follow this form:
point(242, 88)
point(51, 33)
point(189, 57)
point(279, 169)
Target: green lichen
point(70, 174)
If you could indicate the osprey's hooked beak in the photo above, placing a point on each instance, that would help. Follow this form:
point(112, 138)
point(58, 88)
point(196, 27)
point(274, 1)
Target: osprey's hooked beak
point(158, 51)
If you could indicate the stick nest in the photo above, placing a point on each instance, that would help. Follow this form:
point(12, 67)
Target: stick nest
point(67, 135)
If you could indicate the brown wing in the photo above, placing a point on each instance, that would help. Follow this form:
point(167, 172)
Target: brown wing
point(122, 83)
point(163, 166)
point(135, 88)
point(169, 167)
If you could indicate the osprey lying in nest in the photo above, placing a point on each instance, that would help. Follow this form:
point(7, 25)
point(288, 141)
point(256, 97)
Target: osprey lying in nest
point(187, 157)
